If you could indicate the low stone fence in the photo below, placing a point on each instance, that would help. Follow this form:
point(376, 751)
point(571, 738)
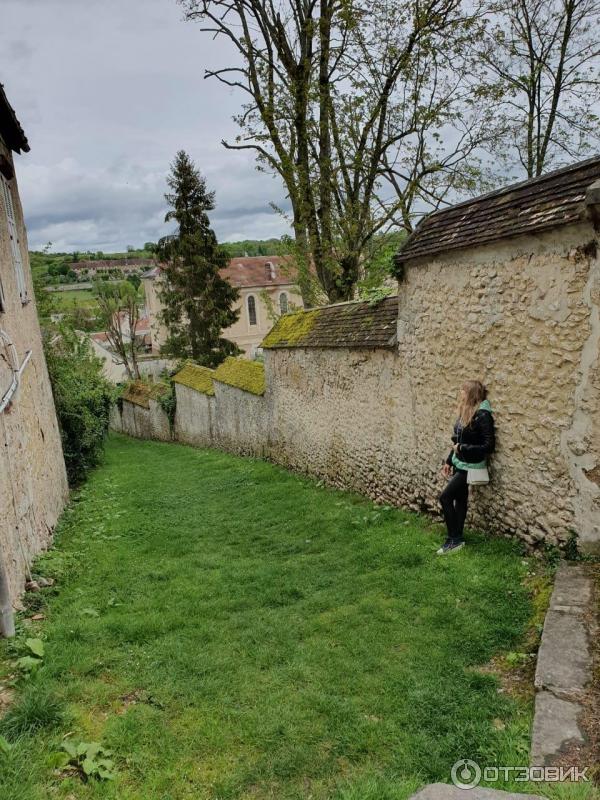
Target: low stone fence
point(224, 408)
point(139, 413)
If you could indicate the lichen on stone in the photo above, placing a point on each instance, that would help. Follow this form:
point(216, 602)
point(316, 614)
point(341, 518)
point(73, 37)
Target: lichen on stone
point(243, 374)
point(290, 329)
point(196, 377)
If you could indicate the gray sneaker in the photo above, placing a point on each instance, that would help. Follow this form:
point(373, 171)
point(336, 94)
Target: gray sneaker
point(451, 546)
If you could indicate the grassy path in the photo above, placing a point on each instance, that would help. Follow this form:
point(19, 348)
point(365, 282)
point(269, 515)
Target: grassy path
point(230, 630)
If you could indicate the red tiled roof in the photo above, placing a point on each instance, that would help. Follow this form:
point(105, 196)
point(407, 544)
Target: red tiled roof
point(247, 271)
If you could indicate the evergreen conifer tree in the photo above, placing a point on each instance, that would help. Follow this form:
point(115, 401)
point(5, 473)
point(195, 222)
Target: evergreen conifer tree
point(198, 303)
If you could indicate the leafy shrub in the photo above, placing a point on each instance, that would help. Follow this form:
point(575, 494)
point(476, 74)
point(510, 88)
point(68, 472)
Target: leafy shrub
point(87, 759)
point(83, 398)
point(34, 656)
point(168, 402)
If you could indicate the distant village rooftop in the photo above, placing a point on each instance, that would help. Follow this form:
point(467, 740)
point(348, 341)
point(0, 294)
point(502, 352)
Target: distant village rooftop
point(552, 200)
point(10, 127)
point(108, 264)
point(246, 272)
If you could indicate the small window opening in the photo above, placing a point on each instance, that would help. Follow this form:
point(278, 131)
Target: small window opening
point(252, 310)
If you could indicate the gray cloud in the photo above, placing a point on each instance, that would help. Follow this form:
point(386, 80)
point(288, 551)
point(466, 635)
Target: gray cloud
point(107, 93)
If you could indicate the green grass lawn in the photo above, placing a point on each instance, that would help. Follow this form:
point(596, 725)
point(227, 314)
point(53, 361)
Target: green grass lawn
point(66, 301)
point(230, 630)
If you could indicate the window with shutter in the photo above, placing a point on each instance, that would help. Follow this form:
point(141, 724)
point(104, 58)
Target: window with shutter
point(14, 238)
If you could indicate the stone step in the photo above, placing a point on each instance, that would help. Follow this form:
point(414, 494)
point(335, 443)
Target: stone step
point(442, 791)
point(564, 665)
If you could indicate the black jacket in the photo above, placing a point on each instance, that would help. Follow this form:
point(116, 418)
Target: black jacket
point(477, 440)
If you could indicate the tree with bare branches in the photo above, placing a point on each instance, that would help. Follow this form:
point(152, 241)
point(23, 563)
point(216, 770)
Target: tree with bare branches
point(344, 103)
point(545, 54)
point(120, 312)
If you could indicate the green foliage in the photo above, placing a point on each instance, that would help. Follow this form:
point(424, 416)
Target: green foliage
point(36, 646)
point(33, 659)
point(198, 304)
point(376, 294)
point(167, 400)
point(89, 759)
point(135, 280)
point(83, 398)
point(379, 264)
point(259, 247)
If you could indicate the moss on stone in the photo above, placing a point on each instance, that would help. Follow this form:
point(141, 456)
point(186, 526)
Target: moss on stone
point(290, 329)
point(140, 392)
point(196, 377)
point(243, 374)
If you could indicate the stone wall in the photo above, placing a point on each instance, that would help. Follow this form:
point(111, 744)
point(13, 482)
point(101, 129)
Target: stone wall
point(522, 316)
point(33, 485)
point(142, 422)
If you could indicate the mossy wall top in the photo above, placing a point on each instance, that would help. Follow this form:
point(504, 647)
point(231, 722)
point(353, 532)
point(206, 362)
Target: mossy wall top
point(196, 377)
point(140, 393)
point(353, 325)
point(243, 374)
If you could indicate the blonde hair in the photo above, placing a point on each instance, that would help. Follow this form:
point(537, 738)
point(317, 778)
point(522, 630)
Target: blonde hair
point(473, 394)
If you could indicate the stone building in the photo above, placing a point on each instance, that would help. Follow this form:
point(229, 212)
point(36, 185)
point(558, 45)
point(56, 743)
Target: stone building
point(33, 484)
point(267, 289)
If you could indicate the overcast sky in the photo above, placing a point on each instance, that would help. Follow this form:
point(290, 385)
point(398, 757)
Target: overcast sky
point(107, 92)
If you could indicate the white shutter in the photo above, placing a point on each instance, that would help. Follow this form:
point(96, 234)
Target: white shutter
point(14, 239)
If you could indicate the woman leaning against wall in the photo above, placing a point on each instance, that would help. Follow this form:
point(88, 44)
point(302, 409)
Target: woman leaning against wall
point(473, 441)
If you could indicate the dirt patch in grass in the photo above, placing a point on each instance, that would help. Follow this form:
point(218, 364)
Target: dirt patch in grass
point(137, 697)
point(6, 700)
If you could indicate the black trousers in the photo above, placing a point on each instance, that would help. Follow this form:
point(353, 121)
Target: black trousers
point(454, 501)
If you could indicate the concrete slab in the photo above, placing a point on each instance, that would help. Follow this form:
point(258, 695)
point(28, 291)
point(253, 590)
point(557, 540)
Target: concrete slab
point(554, 726)
point(572, 589)
point(442, 791)
point(564, 664)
